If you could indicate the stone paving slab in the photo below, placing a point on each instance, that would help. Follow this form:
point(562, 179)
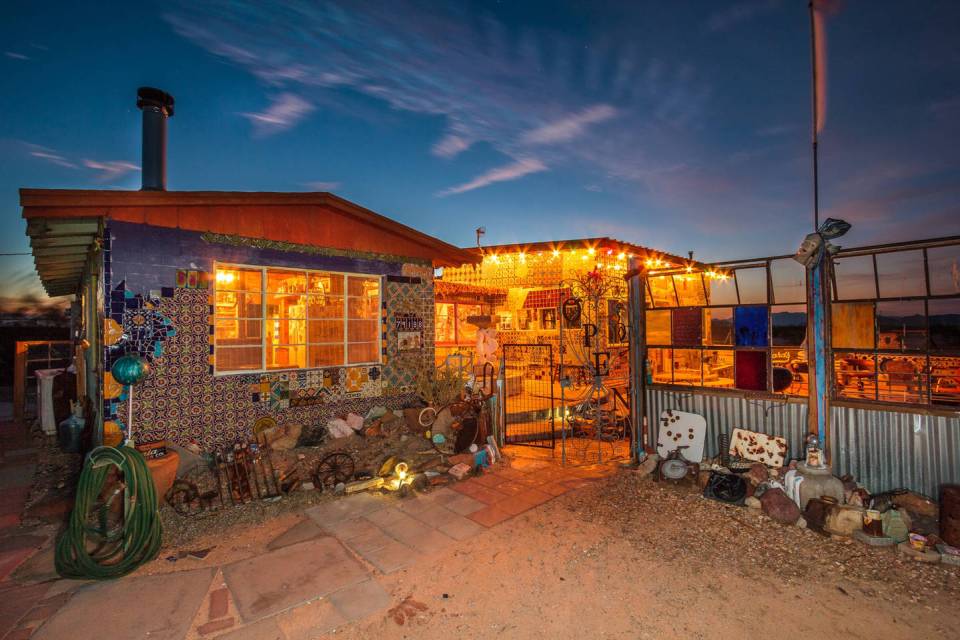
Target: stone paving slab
point(278, 580)
point(391, 557)
point(329, 514)
point(460, 528)
point(311, 621)
point(157, 607)
point(360, 600)
point(300, 532)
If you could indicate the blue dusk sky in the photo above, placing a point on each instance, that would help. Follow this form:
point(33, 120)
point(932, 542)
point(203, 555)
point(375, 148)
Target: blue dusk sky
point(677, 125)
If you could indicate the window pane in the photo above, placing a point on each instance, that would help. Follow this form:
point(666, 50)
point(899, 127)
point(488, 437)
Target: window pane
point(325, 355)
point(750, 324)
point(752, 285)
point(466, 332)
point(368, 308)
point(325, 283)
point(237, 359)
point(789, 325)
point(854, 278)
point(856, 375)
point(751, 370)
point(718, 368)
point(789, 281)
point(902, 379)
point(660, 366)
point(230, 279)
point(229, 332)
point(325, 331)
point(286, 332)
point(901, 325)
point(900, 274)
point(943, 263)
point(235, 304)
point(852, 325)
point(718, 327)
point(287, 357)
point(658, 327)
point(686, 367)
point(690, 290)
point(362, 331)
point(945, 380)
point(286, 281)
point(944, 324)
point(445, 321)
point(366, 287)
point(790, 371)
point(323, 306)
point(362, 352)
point(722, 290)
point(661, 288)
point(286, 306)
point(687, 327)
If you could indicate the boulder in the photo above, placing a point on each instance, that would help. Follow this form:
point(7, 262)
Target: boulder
point(779, 507)
point(843, 520)
point(753, 503)
point(758, 473)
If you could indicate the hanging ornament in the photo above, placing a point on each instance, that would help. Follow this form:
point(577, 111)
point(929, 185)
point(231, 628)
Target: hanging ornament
point(130, 369)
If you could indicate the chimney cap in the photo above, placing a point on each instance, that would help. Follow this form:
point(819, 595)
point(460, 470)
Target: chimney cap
point(156, 98)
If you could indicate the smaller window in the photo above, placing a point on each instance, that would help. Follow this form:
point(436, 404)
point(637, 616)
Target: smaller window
point(852, 325)
point(658, 327)
point(750, 326)
point(789, 325)
point(943, 264)
point(750, 370)
point(855, 278)
point(718, 326)
point(901, 325)
point(855, 375)
point(752, 285)
point(900, 274)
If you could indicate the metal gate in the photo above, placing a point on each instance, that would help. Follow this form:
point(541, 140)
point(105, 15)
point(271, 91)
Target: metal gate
point(528, 372)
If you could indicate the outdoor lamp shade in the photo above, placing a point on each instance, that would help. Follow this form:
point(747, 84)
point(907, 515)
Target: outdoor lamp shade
point(130, 370)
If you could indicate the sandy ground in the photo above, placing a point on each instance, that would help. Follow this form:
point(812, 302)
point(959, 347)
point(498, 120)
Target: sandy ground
point(554, 573)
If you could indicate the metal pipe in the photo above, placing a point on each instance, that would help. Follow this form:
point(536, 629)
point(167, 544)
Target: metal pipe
point(156, 106)
point(636, 303)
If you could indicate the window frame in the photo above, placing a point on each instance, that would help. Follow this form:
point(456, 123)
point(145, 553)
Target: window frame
point(456, 324)
point(264, 269)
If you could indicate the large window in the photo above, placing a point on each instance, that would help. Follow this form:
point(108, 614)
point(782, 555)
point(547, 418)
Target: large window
point(268, 319)
point(896, 326)
point(739, 329)
point(452, 324)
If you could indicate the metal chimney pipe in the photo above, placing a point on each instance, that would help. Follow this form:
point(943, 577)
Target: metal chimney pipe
point(157, 106)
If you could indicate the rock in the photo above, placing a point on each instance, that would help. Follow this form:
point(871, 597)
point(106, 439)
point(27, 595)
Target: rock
point(753, 503)
point(779, 507)
point(920, 556)
point(649, 464)
point(801, 522)
point(843, 520)
point(289, 439)
point(703, 478)
point(758, 473)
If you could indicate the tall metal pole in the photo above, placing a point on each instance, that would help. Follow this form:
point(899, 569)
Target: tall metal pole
point(636, 303)
point(815, 118)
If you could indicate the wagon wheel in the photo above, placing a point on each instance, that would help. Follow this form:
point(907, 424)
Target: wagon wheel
point(335, 468)
point(427, 417)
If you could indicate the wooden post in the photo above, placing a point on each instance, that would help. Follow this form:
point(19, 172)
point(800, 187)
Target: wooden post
point(820, 383)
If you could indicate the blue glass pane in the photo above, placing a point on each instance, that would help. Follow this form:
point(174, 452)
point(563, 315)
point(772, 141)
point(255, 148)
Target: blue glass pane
point(750, 325)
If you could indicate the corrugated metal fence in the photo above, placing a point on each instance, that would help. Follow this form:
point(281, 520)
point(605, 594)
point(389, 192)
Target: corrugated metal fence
point(882, 449)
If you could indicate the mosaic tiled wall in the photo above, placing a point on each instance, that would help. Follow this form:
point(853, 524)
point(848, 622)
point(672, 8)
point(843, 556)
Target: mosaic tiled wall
point(170, 326)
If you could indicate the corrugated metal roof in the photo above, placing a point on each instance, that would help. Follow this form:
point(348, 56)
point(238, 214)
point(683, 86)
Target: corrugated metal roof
point(61, 247)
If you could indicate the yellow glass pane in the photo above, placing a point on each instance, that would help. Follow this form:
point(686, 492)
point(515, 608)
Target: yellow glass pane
point(237, 304)
point(718, 368)
point(325, 283)
point(445, 322)
point(853, 325)
point(363, 352)
point(658, 327)
point(287, 357)
point(690, 290)
point(229, 332)
point(325, 331)
point(855, 375)
point(661, 288)
point(363, 308)
point(660, 366)
point(237, 358)
point(286, 332)
point(325, 355)
point(722, 289)
point(286, 281)
point(686, 367)
point(283, 306)
point(324, 306)
point(233, 279)
point(363, 330)
point(366, 287)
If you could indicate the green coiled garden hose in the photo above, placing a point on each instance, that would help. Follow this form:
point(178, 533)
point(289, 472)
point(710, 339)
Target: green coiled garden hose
point(87, 550)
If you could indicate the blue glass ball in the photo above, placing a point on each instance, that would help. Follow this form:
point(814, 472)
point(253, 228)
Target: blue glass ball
point(130, 369)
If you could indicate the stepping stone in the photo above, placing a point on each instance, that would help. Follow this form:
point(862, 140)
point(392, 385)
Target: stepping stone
point(300, 532)
point(464, 505)
point(289, 576)
point(313, 620)
point(391, 557)
point(460, 528)
point(329, 514)
point(360, 600)
point(157, 607)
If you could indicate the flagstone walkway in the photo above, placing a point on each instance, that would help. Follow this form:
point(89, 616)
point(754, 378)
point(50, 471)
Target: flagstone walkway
point(321, 574)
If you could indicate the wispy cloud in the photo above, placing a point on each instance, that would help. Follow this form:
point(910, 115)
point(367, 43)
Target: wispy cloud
point(322, 186)
point(49, 155)
point(737, 13)
point(108, 170)
point(16, 56)
point(285, 111)
point(525, 96)
point(570, 127)
point(512, 171)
